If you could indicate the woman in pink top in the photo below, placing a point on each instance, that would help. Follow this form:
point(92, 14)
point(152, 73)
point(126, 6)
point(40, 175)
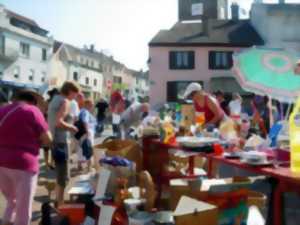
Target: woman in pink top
point(23, 130)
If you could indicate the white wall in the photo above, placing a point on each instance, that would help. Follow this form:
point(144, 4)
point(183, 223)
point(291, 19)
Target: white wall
point(33, 62)
point(83, 73)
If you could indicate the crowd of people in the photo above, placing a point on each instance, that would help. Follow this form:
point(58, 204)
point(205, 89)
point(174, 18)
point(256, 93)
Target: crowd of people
point(64, 124)
point(68, 123)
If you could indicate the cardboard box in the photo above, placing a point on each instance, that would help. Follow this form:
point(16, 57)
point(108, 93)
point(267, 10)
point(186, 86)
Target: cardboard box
point(190, 211)
point(180, 187)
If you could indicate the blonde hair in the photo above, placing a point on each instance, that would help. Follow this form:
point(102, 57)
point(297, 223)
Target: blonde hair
point(69, 86)
point(88, 102)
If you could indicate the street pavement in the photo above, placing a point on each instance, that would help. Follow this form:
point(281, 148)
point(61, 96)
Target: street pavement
point(292, 206)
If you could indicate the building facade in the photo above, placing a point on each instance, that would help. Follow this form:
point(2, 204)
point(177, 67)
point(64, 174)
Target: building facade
point(25, 51)
point(264, 17)
point(199, 51)
point(79, 65)
point(196, 9)
point(142, 84)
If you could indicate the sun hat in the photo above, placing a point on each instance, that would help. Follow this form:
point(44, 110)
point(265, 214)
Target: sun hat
point(192, 88)
point(41, 103)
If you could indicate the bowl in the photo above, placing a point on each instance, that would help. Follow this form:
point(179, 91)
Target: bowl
point(132, 204)
point(163, 218)
point(140, 218)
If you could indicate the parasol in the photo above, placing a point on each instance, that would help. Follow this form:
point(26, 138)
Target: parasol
point(269, 72)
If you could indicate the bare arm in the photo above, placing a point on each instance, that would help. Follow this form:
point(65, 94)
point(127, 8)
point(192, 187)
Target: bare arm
point(61, 114)
point(218, 114)
point(46, 139)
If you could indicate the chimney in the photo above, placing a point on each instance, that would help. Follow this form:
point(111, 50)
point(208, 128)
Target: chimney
point(92, 47)
point(281, 2)
point(235, 10)
point(205, 25)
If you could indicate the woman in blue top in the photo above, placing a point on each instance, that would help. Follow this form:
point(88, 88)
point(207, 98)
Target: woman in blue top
point(85, 151)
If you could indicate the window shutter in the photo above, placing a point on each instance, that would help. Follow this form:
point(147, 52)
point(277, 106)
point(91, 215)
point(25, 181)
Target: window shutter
point(171, 91)
point(172, 58)
point(230, 59)
point(211, 60)
point(191, 60)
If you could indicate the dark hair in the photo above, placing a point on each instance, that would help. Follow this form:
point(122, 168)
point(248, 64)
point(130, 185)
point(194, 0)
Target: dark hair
point(219, 93)
point(52, 93)
point(25, 96)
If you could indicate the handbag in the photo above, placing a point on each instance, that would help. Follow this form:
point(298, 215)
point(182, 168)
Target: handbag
point(81, 129)
point(79, 124)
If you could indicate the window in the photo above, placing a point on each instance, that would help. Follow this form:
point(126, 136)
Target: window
point(100, 67)
point(25, 49)
point(16, 72)
point(175, 89)
point(182, 60)
point(87, 81)
point(44, 54)
point(31, 75)
point(220, 60)
point(82, 60)
point(43, 79)
point(117, 80)
point(92, 63)
point(95, 82)
point(75, 76)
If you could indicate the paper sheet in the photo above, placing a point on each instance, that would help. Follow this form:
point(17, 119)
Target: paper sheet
point(106, 214)
point(81, 188)
point(116, 118)
point(104, 176)
point(189, 205)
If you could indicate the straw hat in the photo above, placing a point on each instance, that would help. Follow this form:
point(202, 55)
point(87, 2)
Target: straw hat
point(41, 103)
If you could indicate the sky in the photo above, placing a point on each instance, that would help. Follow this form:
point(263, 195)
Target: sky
point(122, 28)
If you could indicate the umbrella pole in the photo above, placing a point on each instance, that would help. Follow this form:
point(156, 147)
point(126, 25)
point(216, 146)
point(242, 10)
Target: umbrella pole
point(281, 111)
point(288, 112)
point(271, 118)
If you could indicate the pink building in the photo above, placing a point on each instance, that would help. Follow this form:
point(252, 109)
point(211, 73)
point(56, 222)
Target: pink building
point(185, 53)
point(197, 51)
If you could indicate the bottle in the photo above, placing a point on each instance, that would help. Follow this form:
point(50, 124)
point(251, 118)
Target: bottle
point(294, 132)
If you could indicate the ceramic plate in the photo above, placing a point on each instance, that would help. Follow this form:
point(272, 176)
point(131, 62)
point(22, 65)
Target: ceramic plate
point(196, 141)
point(265, 163)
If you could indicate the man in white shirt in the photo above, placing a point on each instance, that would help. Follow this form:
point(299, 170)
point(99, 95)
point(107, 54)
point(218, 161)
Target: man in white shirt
point(133, 116)
point(235, 106)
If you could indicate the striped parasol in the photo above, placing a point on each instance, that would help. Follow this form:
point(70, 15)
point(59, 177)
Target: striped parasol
point(268, 72)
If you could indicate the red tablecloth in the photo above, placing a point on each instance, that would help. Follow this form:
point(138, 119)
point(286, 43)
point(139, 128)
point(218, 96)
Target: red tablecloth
point(156, 156)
